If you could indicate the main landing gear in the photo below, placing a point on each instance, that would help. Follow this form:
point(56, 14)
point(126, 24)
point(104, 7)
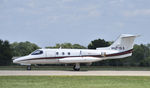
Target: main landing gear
point(29, 67)
point(76, 67)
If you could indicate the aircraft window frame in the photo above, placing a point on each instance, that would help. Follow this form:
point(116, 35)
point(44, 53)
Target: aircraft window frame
point(63, 53)
point(37, 52)
point(69, 53)
point(57, 53)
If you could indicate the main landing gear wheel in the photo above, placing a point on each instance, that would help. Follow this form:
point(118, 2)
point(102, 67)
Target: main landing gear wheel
point(76, 67)
point(28, 67)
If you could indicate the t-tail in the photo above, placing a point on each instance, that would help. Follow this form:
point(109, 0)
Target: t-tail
point(125, 42)
point(122, 47)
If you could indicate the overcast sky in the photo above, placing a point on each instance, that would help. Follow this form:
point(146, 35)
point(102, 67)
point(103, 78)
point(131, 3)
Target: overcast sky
point(47, 22)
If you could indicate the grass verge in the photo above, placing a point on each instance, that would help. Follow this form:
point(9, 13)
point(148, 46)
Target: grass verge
point(74, 82)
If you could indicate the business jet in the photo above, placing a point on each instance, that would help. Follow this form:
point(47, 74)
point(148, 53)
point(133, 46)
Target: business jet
point(121, 48)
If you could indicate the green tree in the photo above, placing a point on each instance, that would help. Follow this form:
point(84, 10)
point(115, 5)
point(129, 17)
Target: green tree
point(5, 53)
point(98, 43)
point(23, 48)
point(77, 46)
point(68, 46)
point(145, 62)
point(146, 55)
point(139, 56)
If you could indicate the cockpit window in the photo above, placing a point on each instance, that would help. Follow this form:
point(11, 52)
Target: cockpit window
point(37, 52)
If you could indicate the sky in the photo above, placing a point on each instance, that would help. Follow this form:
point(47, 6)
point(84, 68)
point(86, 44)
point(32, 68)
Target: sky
point(47, 22)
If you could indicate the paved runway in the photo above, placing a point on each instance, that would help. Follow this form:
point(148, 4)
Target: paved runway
point(74, 73)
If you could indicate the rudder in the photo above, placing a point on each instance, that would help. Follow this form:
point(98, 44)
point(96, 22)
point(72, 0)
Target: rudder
point(124, 42)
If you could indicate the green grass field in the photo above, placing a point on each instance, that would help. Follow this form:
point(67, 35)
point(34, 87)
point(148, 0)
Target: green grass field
point(74, 82)
point(83, 68)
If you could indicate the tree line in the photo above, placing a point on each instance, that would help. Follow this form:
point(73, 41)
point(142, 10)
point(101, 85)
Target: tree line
point(140, 57)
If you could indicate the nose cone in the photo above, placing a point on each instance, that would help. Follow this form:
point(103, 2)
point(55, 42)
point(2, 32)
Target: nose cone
point(18, 60)
point(21, 60)
point(15, 61)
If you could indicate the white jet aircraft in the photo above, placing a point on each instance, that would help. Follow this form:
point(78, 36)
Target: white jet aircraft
point(121, 48)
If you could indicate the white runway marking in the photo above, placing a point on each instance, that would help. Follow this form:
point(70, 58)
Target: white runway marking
point(74, 73)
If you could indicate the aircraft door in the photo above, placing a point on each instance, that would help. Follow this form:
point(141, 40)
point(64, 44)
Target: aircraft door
point(80, 53)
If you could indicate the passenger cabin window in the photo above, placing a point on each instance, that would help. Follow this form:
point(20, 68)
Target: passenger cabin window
point(68, 53)
point(37, 52)
point(57, 53)
point(63, 53)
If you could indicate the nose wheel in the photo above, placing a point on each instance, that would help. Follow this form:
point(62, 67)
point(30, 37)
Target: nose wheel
point(28, 67)
point(76, 67)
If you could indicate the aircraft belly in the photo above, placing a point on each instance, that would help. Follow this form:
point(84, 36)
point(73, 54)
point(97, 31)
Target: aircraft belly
point(44, 61)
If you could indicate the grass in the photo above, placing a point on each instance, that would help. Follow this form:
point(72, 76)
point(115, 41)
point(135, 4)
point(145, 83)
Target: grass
point(83, 68)
point(74, 82)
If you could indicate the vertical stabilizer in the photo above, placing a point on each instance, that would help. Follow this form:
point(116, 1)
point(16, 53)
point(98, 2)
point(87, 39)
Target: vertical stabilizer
point(124, 42)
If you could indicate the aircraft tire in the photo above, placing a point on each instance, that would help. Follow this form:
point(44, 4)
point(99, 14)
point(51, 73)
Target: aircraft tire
point(28, 67)
point(76, 69)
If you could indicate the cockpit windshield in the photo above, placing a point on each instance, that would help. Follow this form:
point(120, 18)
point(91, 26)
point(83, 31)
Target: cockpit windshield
point(37, 52)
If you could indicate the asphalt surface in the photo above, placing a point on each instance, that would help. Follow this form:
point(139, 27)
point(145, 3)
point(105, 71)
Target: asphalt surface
point(73, 73)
